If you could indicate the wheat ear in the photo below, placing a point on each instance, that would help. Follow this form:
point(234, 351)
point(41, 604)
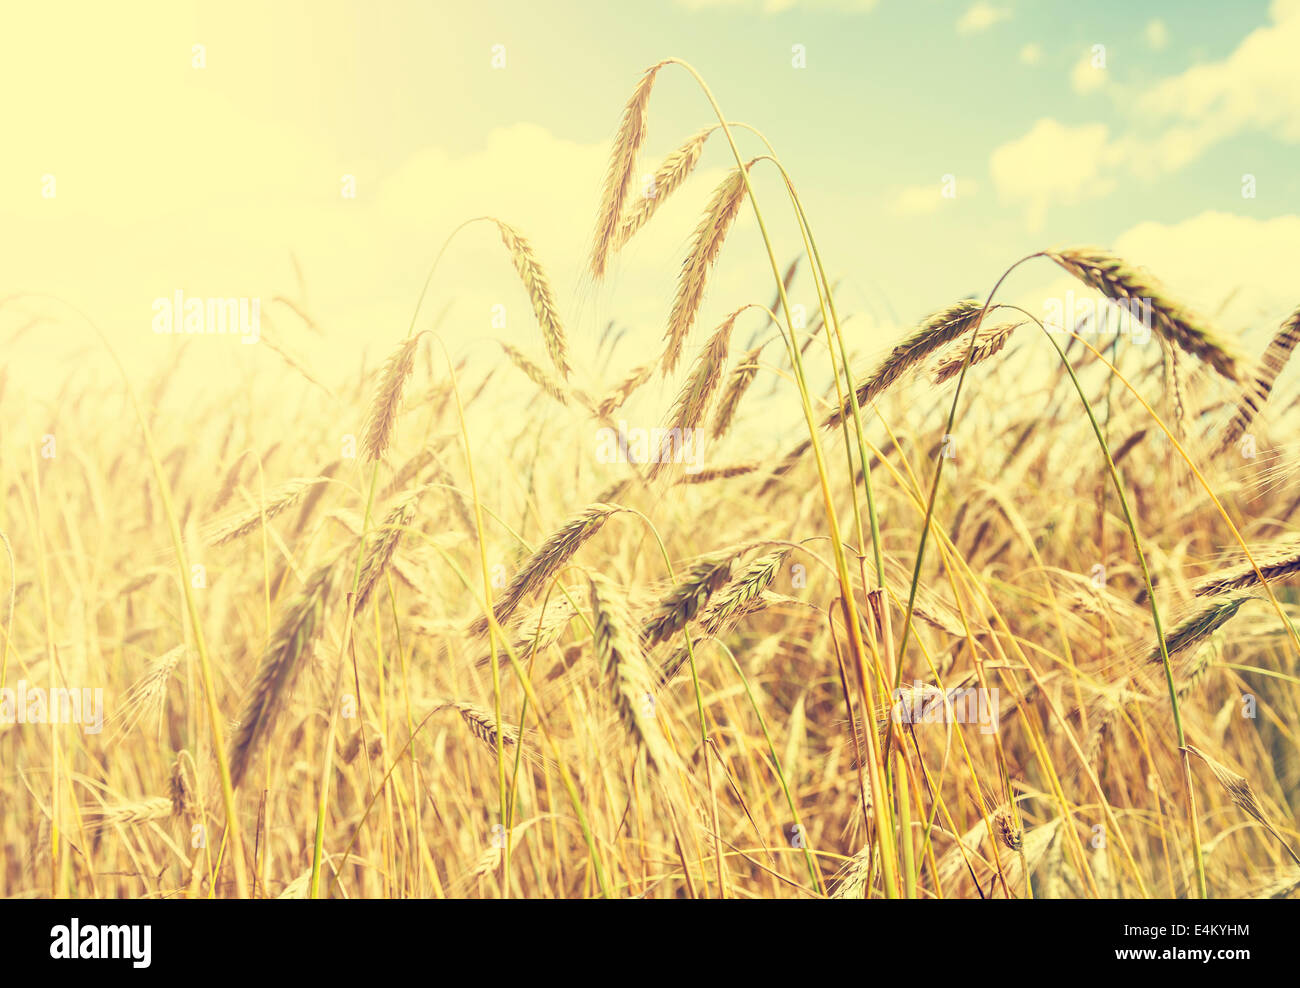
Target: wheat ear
point(705, 247)
point(988, 342)
point(939, 330)
point(686, 599)
point(1199, 626)
point(280, 665)
point(1118, 280)
point(1257, 392)
point(618, 175)
point(382, 415)
point(669, 176)
point(278, 499)
point(738, 381)
point(540, 293)
point(693, 400)
point(535, 373)
point(384, 544)
point(624, 666)
point(1276, 560)
point(557, 550)
point(1240, 792)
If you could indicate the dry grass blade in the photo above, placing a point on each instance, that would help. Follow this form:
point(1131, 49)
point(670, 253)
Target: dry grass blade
point(540, 293)
point(618, 175)
point(557, 550)
point(1275, 561)
point(283, 659)
point(382, 416)
point(705, 247)
point(676, 168)
point(1118, 281)
point(1257, 392)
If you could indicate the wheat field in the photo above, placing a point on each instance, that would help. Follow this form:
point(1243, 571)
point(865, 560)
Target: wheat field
point(1006, 612)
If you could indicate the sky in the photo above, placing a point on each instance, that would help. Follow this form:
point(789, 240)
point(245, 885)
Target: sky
point(206, 148)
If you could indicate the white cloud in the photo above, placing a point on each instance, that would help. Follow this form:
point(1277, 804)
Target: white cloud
point(1089, 72)
point(981, 16)
point(1215, 258)
point(1257, 87)
point(1032, 53)
point(1052, 165)
point(921, 200)
point(1157, 34)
